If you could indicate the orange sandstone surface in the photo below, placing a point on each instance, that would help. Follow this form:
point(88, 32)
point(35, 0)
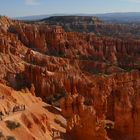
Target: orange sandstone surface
point(25, 116)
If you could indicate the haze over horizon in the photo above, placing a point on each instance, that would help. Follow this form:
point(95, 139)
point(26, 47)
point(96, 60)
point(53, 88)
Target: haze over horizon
point(16, 8)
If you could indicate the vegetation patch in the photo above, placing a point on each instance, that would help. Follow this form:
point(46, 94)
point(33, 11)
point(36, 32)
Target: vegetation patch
point(10, 138)
point(12, 125)
point(1, 135)
point(54, 99)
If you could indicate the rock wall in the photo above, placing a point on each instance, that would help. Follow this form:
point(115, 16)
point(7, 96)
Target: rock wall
point(82, 122)
point(116, 99)
point(54, 41)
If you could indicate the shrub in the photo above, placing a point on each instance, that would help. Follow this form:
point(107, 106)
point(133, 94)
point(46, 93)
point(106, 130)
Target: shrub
point(54, 99)
point(10, 138)
point(12, 125)
point(1, 135)
point(88, 101)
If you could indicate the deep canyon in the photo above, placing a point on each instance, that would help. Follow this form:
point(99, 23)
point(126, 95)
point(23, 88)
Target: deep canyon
point(75, 85)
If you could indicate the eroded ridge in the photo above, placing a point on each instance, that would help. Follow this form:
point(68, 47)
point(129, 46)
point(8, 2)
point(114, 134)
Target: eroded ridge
point(82, 122)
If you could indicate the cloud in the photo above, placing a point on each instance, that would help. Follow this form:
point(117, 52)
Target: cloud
point(32, 2)
point(134, 1)
point(138, 1)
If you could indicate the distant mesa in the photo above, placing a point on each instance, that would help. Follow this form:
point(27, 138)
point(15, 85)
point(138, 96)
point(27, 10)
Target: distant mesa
point(128, 17)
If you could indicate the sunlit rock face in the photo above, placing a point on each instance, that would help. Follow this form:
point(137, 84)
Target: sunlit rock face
point(82, 122)
point(95, 74)
point(117, 101)
point(54, 41)
point(24, 116)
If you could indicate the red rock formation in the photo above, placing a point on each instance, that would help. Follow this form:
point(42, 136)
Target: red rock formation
point(82, 122)
point(55, 62)
point(55, 41)
point(23, 116)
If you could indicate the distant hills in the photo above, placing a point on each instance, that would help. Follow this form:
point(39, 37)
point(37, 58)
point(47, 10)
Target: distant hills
point(39, 17)
point(129, 17)
point(120, 17)
point(73, 23)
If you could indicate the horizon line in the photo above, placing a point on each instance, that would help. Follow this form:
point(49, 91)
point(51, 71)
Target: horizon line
point(71, 14)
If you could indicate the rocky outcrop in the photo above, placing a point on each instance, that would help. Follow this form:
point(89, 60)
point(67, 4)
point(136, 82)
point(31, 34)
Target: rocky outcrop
point(123, 53)
point(24, 116)
point(82, 122)
point(115, 98)
point(5, 23)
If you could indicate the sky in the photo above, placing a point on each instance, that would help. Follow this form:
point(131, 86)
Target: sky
point(19, 8)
